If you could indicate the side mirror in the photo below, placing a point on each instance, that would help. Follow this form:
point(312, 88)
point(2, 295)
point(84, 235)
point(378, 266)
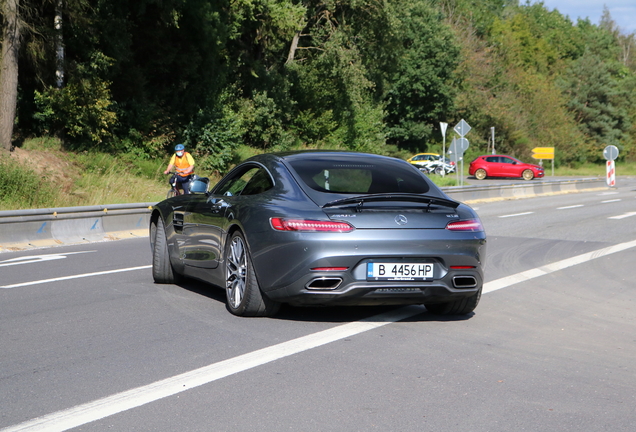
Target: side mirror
point(200, 185)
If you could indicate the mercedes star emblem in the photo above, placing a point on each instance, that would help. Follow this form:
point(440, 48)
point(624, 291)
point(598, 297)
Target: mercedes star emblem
point(401, 220)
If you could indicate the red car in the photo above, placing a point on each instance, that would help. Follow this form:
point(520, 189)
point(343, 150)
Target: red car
point(503, 166)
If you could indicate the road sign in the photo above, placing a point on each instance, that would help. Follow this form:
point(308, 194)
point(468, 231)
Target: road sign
point(456, 152)
point(458, 147)
point(543, 152)
point(462, 128)
point(443, 127)
point(610, 153)
point(452, 154)
point(463, 144)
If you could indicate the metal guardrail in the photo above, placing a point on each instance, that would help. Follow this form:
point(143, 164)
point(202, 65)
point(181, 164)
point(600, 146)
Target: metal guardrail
point(23, 229)
point(9, 216)
point(527, 189)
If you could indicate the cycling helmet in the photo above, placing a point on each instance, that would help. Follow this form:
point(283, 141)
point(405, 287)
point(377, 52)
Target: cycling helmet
point(179, 147)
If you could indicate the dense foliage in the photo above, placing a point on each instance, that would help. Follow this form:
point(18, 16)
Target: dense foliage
point(371, 75)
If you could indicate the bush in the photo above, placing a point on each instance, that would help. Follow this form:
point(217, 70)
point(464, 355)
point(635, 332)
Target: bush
point(83, 110)
point(214, 136)
point(22, 188)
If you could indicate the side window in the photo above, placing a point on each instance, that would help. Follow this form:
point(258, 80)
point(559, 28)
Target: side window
point(259, 183)
point(492, 159)
point(507, 160)
point(235, 185)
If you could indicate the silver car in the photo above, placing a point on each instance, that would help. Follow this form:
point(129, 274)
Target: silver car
point(322, 228)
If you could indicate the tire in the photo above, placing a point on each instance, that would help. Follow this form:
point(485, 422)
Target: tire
point(162, 271)
point(244, 296)
point(527, 174)
point(439, 170)
point(480, 174)
point(461, 306)
point(171, 193)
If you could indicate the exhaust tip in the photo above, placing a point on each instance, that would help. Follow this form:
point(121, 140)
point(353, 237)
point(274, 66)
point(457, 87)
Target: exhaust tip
point(324, 283)
point(464, 282)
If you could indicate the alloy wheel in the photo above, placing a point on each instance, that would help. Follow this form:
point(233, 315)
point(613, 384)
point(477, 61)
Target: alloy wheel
point(527, 174)
point(236, 272)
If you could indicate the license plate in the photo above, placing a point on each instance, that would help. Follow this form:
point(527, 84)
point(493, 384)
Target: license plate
point(400, 271)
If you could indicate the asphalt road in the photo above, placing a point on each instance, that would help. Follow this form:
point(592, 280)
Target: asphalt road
point(88, 342)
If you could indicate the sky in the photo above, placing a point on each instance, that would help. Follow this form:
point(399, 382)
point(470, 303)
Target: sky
point(623, 12)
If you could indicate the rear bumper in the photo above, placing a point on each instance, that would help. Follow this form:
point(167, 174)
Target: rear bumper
point(287, 271)
point(454, 285)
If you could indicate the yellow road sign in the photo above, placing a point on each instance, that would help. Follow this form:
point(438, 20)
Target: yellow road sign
point(543, 152)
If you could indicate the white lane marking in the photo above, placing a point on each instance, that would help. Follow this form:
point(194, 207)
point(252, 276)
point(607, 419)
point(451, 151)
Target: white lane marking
point(556, 266)
point(516, 214)
point(38, 282)
point(86, 413)
point(610, 201)
point(38, 258)
point(623, 216)
point(570, 207)
point(607, 193)
point(114, 404)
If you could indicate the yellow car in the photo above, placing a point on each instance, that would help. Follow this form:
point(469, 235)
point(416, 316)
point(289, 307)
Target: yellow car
point(422, 159)
point(432, 163)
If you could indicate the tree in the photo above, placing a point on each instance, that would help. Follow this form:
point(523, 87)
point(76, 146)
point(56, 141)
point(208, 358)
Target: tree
point(11, 26)
point(423, 81)
point(59, 44)
point(598, 100)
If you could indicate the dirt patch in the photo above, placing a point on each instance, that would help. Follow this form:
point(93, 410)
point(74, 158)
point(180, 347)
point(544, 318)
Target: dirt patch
point(51, 165)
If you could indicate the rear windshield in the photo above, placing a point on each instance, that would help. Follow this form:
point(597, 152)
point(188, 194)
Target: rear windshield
point(384, 176)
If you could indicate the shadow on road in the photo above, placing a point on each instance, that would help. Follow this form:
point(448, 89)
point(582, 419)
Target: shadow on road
point(333, 314)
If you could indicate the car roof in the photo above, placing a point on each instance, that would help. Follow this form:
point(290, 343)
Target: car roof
point(489, 155)
point(325, 154)
point(342, 159)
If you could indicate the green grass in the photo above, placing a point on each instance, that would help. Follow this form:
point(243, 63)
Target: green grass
point(592, 170)
point(79, 179)
point(21, 188)
point(43, 143)
point(447, 180)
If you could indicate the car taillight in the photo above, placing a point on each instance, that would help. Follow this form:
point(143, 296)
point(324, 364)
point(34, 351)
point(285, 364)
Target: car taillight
point(467, 225)
point(306, 225)
point(329, 269)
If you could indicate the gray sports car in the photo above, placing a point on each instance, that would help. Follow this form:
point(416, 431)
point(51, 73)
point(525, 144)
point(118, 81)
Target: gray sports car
point(322, 228)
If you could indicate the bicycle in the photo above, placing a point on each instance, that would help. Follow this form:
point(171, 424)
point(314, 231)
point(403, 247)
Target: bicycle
point(174, 189)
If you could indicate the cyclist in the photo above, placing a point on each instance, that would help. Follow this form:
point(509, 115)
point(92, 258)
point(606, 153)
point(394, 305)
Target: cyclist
point(184, 164)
